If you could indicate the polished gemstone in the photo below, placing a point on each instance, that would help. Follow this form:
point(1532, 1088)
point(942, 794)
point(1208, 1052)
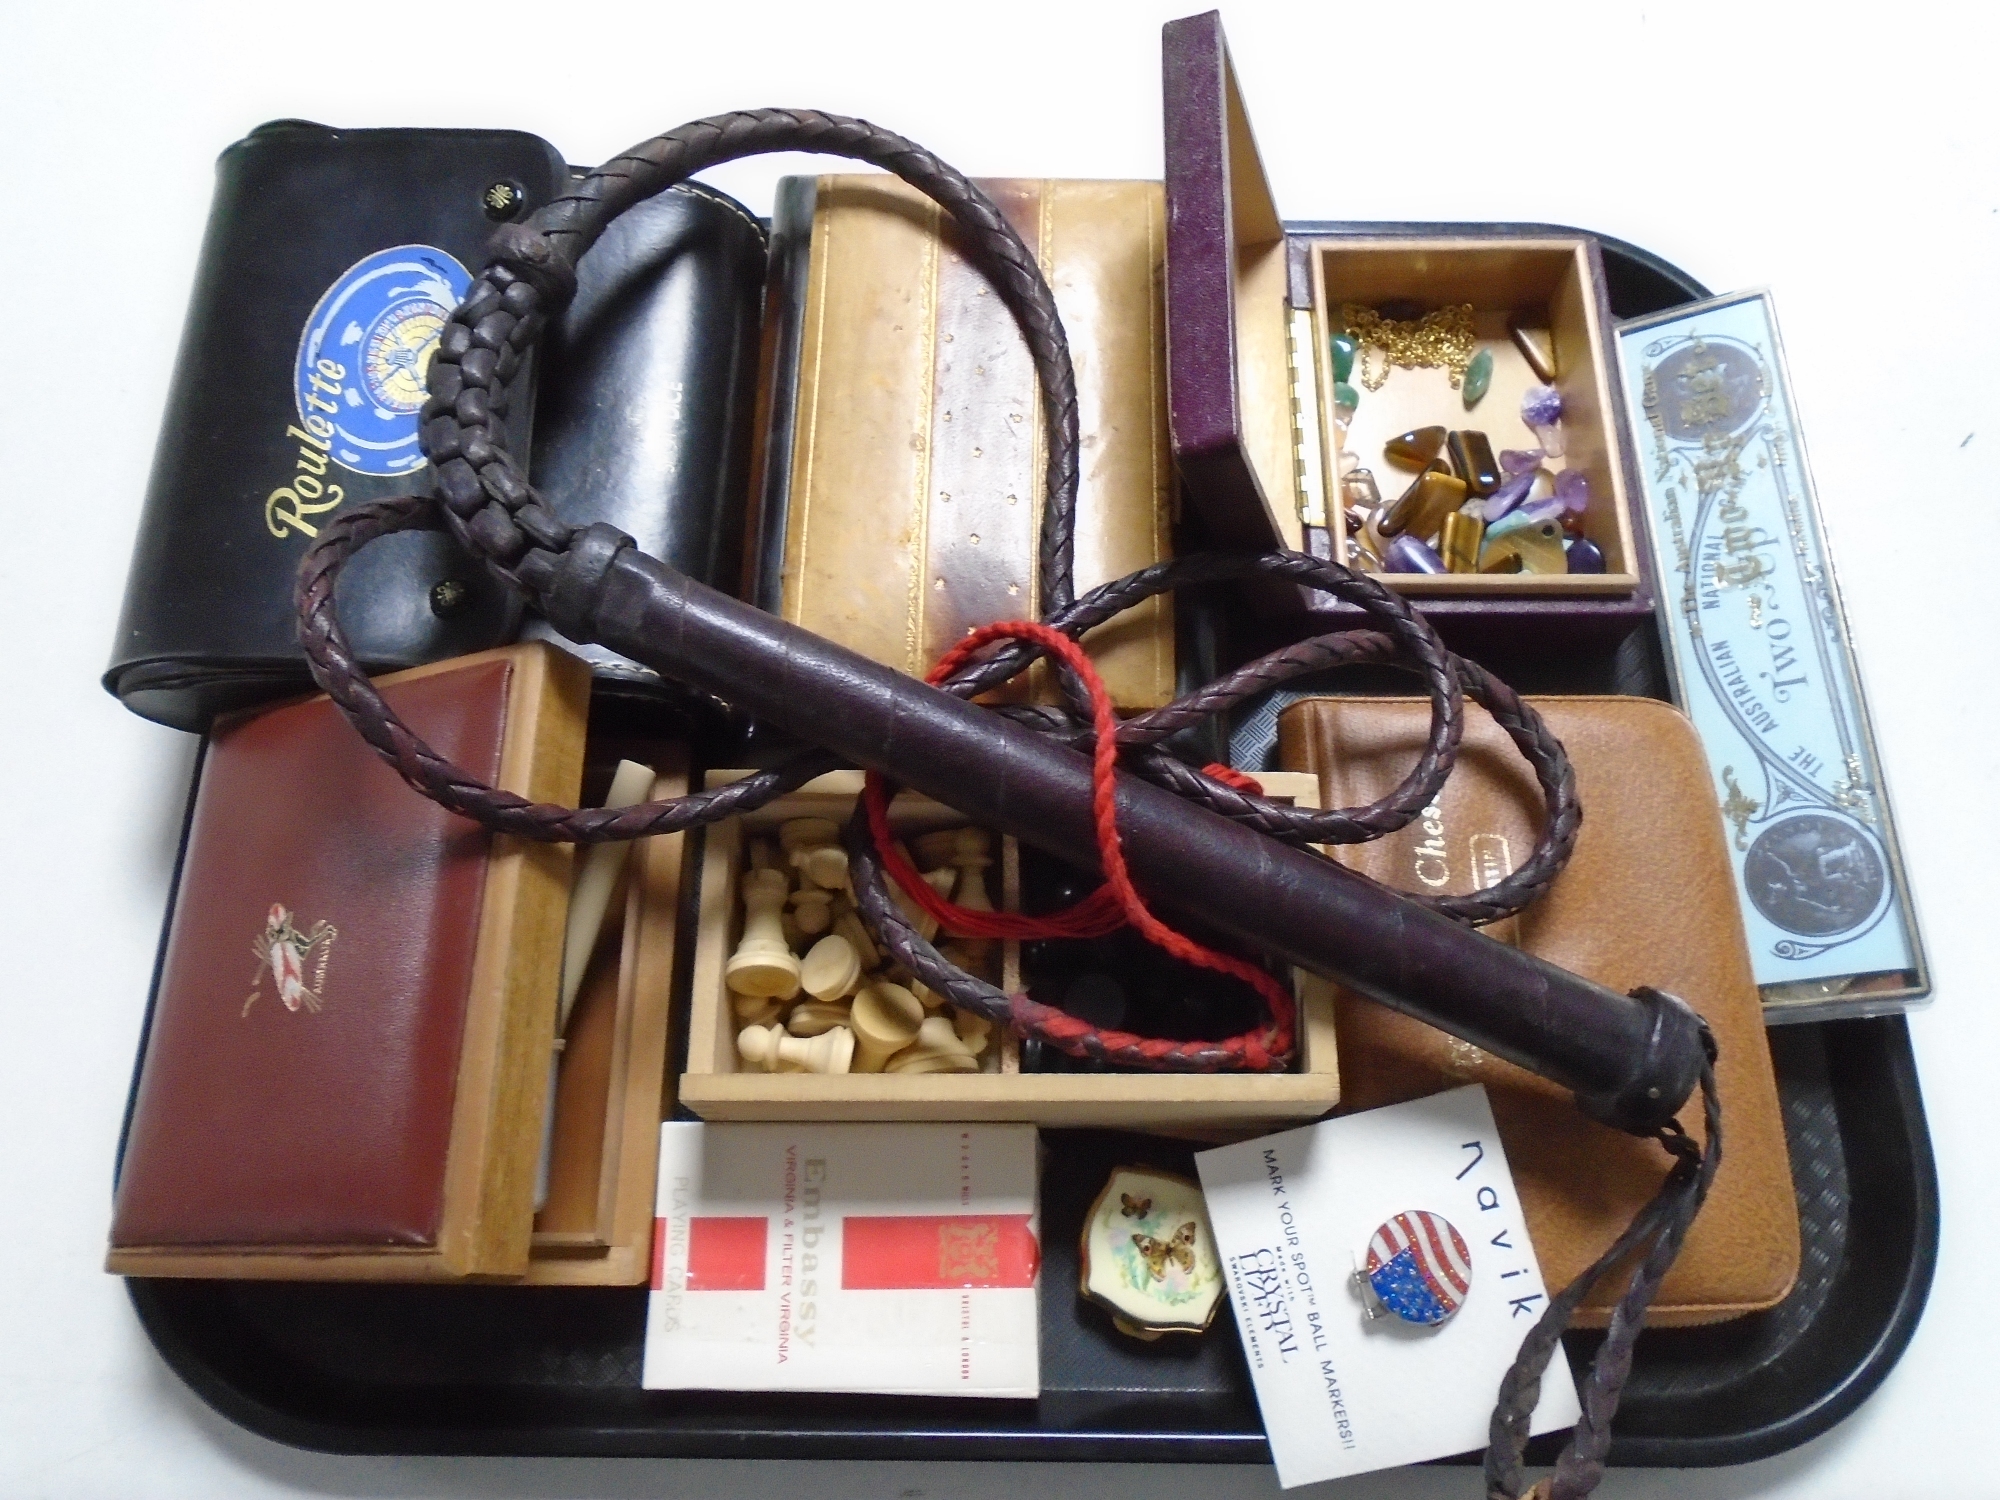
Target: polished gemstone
point(1536, 347)
point(1420, 510)
point(1472, 460)
point(1509, 495)
point(1535, 513)
point(1500, 562)
point(1541, 409)
point(1415, 449)
point(1358, 488)
point(1347, 463)
point(1573, 490)
point(1458, 542)
point(1478, 378)
point(1408, 555)
point(1345, 398)
point(1344, 349)
point(1539, 549)
point(1521, 460)
point(1584, 556)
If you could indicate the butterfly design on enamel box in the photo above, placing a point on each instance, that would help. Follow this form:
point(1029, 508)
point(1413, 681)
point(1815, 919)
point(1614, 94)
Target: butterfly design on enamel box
point(1178, 1251)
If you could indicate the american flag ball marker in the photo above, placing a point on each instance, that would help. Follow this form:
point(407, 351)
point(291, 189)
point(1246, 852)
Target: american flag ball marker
point(1419, 1268)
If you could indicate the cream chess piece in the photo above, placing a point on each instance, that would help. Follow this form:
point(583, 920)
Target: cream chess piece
point(886, 1019)
point(755, 1010)
point(825, 867)
point(811, 1017)
point(972, 855)
point(936, 1049)
point(847, 923)
point(812, 910)
point(772, 1050)
point(973, 1029)
point(763, 963)
point(832, 970)
point(596, 878)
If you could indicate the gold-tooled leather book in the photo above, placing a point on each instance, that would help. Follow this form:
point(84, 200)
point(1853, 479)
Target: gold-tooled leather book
point(916, 445)
point(1646, 898)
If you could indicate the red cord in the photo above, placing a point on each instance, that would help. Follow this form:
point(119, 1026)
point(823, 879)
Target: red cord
point(1111, 905)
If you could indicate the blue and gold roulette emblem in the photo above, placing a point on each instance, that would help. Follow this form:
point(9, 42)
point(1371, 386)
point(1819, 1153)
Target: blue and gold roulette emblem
point(366, 351)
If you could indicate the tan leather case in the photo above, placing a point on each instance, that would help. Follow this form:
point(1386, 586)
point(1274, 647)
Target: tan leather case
point(918, 453)
point(1646, 898)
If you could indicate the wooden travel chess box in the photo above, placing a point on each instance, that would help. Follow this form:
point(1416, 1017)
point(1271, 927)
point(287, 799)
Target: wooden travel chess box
point(717, 1084)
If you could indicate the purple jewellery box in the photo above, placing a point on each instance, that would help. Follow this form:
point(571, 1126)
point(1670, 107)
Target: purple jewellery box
point(1268, 452)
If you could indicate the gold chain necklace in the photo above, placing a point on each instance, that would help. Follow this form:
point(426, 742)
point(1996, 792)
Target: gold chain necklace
point(1438, 339)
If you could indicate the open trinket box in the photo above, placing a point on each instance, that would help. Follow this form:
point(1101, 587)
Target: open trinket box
point(1262, 437)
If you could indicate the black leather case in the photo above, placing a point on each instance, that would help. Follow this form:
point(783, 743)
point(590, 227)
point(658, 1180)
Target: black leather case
point(340, 246)
point(648, 383)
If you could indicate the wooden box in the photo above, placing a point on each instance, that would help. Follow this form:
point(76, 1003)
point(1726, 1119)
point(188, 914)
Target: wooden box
point(373, 1110)
point(717, 1087)
point(595, 1225)
point(1251, 304)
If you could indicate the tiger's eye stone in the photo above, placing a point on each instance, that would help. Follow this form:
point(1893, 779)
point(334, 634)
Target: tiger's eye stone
point(1420, 510)
point(1415, 449)
point(1344, 350)
point(1539, 549)
point(1472, 459)
point(1584, 556)
point(1478, 378)
point(1458, 542)
point(1408, 555)
point(1537, 348)
point(1508, 562)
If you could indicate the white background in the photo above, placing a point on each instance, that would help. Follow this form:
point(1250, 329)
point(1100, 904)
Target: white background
point(1845, 157)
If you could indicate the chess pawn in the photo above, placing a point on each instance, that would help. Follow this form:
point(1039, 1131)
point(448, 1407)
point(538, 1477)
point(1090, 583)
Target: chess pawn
point(772, 1050)
point(832, 970)
point(825, 867)
point(934, 849)
point(927, 997)
point(796, 835)
point(811, 1017)
point(972, 856)
point(755, 1010)
point(936, 1049)
point(886, 1019)
point(763, 963)
point(812, 910)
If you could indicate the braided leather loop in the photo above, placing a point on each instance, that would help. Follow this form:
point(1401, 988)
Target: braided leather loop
point(484, 499)
point(1659, 1229)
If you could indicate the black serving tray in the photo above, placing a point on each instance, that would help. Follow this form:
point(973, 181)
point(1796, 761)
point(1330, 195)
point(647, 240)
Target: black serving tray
point(390, 1369)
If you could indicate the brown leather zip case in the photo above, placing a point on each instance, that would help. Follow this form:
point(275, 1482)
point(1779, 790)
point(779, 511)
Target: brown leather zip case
point(1646, 898)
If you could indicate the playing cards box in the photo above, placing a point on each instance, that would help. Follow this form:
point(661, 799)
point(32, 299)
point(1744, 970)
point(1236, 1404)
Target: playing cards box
point(887, 1259)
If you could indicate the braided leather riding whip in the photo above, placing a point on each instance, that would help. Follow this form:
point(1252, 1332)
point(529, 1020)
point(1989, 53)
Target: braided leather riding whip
point(1238, 862)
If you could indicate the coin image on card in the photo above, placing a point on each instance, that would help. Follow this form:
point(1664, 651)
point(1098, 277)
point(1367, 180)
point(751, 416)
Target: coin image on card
point(1814, 875)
